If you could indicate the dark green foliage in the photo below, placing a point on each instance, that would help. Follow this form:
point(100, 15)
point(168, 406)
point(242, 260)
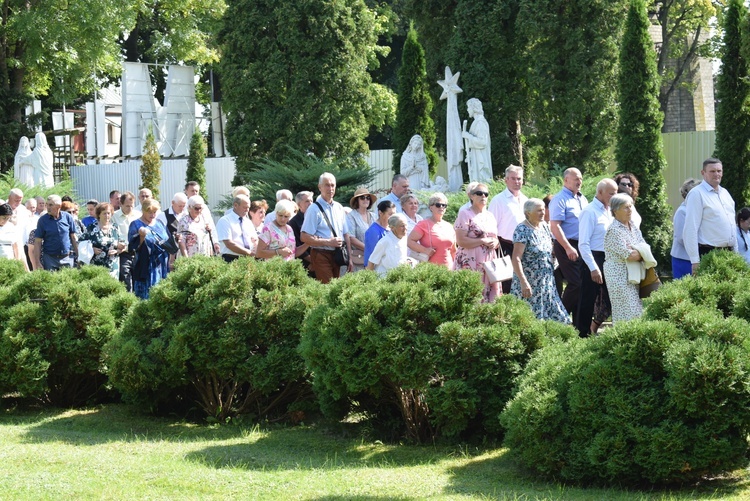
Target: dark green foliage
point(151, 165)
point(10, 269)
point(414, 104)
point(295, 74)
point(225, 335)
point(418, 343)
point(53, 330)
point(639, 143)
point(732, 112)
point(196, 167)
point(300, 172)
point(643, 403)
point(570, 50)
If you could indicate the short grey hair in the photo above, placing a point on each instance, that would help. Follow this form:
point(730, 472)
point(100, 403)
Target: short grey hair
point(241, 198)
point(605, 183)
point(54, 200)
point(407, 197)
point(285, 208)
point(437, 197)
point(688, 185)
point(326, 175)
point(195, 200)
point(240, 190)
point(17, 192)
point(531, 204)
point(471, 187)
point(513, 168)
point(284, 195)
point(396, 219)
point(398, 178)
point(179, 197)
point(303, 195)
point(571, 170)
point(618, 201)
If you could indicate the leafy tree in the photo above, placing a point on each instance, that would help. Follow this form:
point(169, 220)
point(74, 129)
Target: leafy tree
point(414, 104)
point(196, 168)
point(639, 143)
point(571, 53)
point(57, 48)
point(683, 24)
point(732, 117)
point(151, 164)
point(299, 78)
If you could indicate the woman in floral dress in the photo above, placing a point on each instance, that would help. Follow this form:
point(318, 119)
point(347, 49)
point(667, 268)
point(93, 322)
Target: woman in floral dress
point(195, 231)
point(276, 238)
point(619, 242)
point(476, 236)
point(533, 270)
point(105, 239)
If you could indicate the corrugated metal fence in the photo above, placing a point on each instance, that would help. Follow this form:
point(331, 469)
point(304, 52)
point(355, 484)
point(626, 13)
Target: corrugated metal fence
point(685, 153)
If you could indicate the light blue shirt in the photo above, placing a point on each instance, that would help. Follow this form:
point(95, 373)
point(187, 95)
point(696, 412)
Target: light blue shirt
point(393, 198)
point(566, 208)
point(592, 226)
point(315, 224)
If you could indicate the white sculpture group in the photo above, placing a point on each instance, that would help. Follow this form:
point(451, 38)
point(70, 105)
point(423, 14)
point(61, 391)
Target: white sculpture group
point(34, 167)
point(475, 141)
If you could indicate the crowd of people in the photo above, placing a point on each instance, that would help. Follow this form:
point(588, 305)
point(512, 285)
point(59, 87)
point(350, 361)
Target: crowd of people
point(573, 261)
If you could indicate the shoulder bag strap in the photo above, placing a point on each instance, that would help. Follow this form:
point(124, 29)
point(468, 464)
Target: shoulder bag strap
point(326, 216)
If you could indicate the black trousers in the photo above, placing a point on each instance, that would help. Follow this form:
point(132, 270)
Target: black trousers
point(507, 247)
point(571, 271)
point(126, 270)
point(590, 291)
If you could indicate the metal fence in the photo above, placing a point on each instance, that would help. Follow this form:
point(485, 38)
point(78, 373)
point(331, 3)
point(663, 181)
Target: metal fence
point(685, 153)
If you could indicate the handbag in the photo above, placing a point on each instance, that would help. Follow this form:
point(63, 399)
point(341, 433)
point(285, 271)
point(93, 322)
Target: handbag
point(358, 257)
point(340, 254)
point(168, 244)
point(421, 256)
point(499, 269)
point(649, 284)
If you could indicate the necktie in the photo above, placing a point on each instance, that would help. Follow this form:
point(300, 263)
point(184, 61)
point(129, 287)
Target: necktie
point(242, 232)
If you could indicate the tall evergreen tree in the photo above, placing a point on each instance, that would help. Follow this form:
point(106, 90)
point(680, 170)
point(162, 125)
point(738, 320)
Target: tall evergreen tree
point(196, 167)
point(295, 74)
point(413, 113)
point(639, 143)
point(571, 50)
point(732, 114)
point(151, 164)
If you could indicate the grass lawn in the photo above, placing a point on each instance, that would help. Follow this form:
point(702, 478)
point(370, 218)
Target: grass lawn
point(113, 452)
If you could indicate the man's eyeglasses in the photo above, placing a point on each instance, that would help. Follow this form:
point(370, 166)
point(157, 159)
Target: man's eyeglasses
point(440, 206)
point(482, 193)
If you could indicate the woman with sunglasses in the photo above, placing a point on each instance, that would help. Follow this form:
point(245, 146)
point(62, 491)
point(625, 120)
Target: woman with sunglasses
point(476, 236)
point(627, 183)
point(196, 234)
point(433, 236)
point(359, 220)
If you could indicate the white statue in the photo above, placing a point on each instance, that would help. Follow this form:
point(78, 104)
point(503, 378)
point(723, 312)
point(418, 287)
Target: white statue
point(23, 168)
point(454, 145)
point(440, 185)
point(43, 162)
point(478, 143)
point(414, 164)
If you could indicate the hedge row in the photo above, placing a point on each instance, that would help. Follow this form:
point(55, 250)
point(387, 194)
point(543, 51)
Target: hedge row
point(661, 400)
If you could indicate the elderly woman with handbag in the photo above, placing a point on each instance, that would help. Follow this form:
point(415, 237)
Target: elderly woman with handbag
point(620, 243)
point(359, 220)
point(435, 238)
point(533, 268)
point(476, 236)
point(149, 240)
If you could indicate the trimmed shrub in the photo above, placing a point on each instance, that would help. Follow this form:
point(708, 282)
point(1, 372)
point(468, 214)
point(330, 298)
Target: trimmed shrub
point(418, 344)
point(10, 269)
point(643, 403)
point(53, 329)
point(223, 335)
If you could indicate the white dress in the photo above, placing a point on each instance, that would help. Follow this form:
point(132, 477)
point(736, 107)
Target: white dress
point(618, 243)
point(389, 252)
point(8, 236)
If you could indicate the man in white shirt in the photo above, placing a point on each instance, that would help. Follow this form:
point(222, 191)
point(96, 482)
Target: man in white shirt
point(593, 223)
point(122, 218)
point(709, 215)
point(237, 236)
point(507, 207)
point(143, 195)
point(399, 188)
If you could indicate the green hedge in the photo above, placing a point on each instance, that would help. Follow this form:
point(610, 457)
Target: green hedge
point(659, 400)
point(225, 335)
point(53, 328)
point(418, 344)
